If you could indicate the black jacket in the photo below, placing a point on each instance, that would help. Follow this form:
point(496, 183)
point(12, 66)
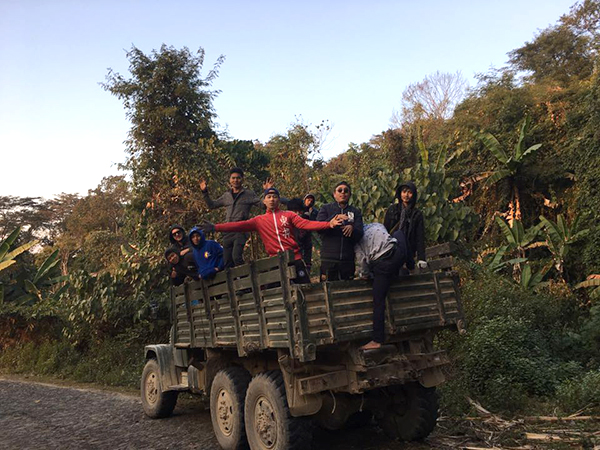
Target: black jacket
point(334, 245)
point(179, 245)
point(186, 267)
point(414, 226)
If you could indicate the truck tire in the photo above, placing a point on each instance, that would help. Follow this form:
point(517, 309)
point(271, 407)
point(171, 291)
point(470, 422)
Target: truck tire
point(269, 424)
point(413, 413)
point(227, 396)
point(156, 403)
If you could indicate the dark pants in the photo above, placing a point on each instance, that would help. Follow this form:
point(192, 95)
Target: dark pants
point(384, 270)
point(337, 270)
point(302, 274)
point(233, 249)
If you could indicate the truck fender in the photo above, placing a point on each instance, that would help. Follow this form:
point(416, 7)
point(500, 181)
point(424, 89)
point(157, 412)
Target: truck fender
point(163, 353)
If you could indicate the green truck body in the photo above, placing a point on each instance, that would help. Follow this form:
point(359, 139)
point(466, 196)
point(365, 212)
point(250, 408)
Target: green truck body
point(252, 323)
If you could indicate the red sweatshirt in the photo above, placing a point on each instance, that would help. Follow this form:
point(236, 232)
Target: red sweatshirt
point(276, 229)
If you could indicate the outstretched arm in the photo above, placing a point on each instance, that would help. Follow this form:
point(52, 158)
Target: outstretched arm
point(312, 225)
point(244, 225)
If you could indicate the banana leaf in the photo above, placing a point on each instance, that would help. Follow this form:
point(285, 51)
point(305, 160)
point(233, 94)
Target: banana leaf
point(492, 144)
point(46, 266)
point(5, 264)
point(17, 251)
point(507, 231)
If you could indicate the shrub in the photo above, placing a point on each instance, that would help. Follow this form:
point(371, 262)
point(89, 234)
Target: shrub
point(580, 392)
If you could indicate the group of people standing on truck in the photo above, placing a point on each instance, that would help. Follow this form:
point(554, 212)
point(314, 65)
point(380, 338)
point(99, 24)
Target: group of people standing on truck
point(382, 251)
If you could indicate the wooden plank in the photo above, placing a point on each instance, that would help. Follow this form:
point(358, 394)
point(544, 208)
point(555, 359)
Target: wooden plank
point(242, 283)
point(273, 276)
point(438, 250)
point(440, 301)
point(358, 316)
point(233, 303)
point(207, 308)
point(218, 289)
point(329, 306)
point(188, 308)
point(441, 264)
point(257, 303)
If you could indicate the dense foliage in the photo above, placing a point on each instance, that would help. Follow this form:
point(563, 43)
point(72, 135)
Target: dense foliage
point(510, 171)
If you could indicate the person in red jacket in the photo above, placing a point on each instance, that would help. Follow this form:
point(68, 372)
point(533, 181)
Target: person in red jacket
point(276, 230)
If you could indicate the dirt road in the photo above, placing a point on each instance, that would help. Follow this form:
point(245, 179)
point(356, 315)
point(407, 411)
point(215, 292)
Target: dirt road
point(43, 416)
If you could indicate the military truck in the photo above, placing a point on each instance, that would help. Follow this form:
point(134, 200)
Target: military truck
point(276, 358)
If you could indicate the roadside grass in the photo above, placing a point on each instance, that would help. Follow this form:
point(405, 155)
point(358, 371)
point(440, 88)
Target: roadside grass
point(116, 362)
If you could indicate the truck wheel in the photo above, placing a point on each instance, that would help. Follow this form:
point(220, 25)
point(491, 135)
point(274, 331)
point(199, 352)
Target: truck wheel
point(156, 403)
point(413, 413)
point(227, 407)
point(269, 424)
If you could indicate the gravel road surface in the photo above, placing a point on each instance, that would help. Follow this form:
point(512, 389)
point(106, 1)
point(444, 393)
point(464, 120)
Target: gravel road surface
point(43, 416)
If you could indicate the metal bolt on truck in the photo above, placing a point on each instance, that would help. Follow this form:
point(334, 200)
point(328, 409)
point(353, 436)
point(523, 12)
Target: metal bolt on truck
point(277, 358)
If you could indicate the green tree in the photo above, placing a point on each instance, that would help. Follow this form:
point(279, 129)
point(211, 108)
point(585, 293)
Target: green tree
point(171, 140)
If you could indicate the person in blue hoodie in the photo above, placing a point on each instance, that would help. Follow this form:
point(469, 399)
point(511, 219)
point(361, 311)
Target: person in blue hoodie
point(207, 254)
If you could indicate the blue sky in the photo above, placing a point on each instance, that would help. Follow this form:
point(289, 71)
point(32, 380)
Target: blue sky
point(343, 61)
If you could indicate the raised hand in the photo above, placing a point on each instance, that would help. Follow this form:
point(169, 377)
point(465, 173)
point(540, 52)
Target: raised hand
point(268, 184)
point(203, 185)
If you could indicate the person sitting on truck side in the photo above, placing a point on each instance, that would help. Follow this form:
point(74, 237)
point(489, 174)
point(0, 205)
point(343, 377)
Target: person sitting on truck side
point(182, 267)
point(337, 245)
point(207, 254)
point(179, 239)
point(238, 202)
point(303, 237)
point(276, 229)
point(380, 256)
point(405, 216)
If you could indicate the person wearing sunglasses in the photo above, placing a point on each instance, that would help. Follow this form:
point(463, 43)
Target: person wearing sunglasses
point(337, 244)
point(179, 240)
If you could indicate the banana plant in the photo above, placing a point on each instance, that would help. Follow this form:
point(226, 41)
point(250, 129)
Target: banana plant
point(530, 280)
point(593, 281)
point(7, 258)
point(510, 165)
point(560, 236)
point(518, 241)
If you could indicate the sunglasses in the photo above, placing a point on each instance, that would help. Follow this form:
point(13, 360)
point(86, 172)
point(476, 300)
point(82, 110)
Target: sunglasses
point(343, 191)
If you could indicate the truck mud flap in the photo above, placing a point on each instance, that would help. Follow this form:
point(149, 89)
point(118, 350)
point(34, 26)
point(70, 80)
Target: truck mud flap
point(164, 354)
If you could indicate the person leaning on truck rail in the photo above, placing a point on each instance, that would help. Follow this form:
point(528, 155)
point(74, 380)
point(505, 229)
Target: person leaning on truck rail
point(337, 245)
point(380, 256)
point(182, 267)
point(238, 201)
point(208, 255)
point(276, 230)
point(405, 216)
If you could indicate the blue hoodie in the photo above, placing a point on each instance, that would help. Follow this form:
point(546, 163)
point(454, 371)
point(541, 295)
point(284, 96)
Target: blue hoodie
point(207, 254)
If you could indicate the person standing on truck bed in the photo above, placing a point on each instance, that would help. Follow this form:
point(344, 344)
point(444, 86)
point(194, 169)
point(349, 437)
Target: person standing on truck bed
point(337, 245)
point(380, 256)
point(405, 216)
point(238, 201)
point(276, 230)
